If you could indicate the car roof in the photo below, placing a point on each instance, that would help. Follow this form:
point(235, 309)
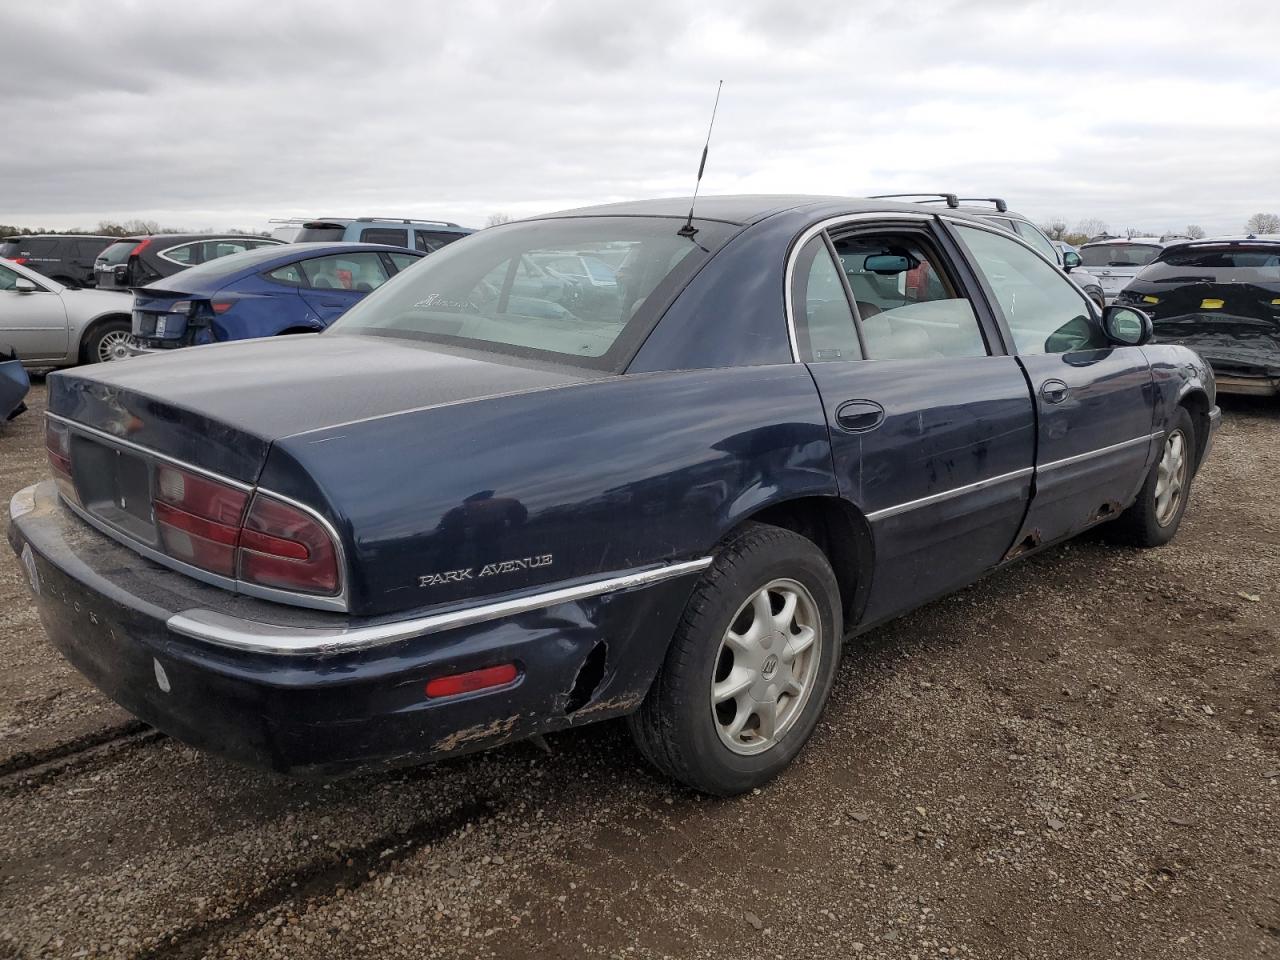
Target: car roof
point(177, 238)
point(390, 221)
point(1261, 240)
point(18, 238)
point(744, 209)
point(1145, 241)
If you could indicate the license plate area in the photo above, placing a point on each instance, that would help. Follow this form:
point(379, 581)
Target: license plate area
point(115, 487)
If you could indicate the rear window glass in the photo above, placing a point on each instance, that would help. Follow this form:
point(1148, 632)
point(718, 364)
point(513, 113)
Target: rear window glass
point(494, 292)
point(117, 252)
point(1118, 254)
point(321, 232)
point(39, 248)
point(1223, 258)
point(8, 248)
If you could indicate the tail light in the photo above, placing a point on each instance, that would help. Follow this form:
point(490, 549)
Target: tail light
point(57, 445)
point(485, 678)
point(221, 306)
point(20, 259)
point(142, 245)
point(285, 548)
point(198, 519)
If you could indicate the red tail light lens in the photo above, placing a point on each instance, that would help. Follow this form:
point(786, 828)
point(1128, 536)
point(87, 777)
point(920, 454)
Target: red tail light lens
point(471, 681)
point(198, 519)
point(286, 548)
point(221, 306)
point(21, 259)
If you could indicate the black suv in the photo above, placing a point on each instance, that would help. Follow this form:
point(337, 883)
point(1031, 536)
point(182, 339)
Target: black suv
point(137, 261)
point(66, 258)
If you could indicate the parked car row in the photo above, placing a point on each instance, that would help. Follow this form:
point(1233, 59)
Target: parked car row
point(629, 461)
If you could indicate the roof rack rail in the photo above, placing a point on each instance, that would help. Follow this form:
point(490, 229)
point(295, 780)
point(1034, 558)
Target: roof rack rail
point(443, 223)
point(1000, 205)
point(950, 198)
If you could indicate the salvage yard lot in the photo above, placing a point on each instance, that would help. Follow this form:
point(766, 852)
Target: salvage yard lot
point(1078, 757)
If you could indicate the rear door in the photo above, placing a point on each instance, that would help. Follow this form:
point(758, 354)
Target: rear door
point(336, 283)
point(34, 324)
point(1094, 402)
point(931, 422)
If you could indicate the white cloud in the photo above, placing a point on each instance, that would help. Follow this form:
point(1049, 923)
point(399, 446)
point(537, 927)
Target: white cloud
point(232, 113)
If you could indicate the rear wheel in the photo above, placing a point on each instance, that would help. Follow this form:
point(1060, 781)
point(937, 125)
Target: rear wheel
point(1156, 514)
point(750, 667)
point(108, 341)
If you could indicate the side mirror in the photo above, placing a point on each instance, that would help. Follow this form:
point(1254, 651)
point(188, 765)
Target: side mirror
point(1126, 326)
point(23, 285)
point(1070, 260)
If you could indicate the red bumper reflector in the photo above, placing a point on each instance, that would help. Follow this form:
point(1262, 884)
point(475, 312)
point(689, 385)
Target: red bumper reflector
point(472, 680)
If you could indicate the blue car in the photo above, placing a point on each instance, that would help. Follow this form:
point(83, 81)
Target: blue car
point(288, 288)
point(479, 507)
point(14, 384)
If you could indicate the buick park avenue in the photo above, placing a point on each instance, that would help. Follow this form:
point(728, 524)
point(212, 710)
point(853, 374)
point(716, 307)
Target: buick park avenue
point(491, 502)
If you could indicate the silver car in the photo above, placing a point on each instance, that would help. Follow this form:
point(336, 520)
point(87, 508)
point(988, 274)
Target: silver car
point(1117, 260)
point(50, 325)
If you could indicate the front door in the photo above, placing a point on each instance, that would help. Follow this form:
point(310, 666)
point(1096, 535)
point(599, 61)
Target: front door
point(1094, 402)
point(33, 323)
point(932, 430)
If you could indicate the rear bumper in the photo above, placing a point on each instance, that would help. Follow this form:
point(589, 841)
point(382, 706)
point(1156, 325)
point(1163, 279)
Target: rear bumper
point(337, 695)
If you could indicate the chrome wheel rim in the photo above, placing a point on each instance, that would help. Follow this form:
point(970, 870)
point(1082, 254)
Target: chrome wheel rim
point(1171, 477)
point(766, 667)
point(115, 346)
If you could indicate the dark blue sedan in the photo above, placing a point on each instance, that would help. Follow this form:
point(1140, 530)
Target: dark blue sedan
point(289, 288)
point(483, 506)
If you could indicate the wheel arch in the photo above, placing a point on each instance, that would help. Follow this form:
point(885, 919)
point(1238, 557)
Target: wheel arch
point(839, 530)
point(97, 323)
point(1196, 403)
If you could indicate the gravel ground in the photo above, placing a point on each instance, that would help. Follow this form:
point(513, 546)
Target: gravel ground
point(1077, 758)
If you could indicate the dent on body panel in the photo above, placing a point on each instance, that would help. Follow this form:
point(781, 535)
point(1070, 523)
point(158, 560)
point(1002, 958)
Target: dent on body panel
point(480, 498)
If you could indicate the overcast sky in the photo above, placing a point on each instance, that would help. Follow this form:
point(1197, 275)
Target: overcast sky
point(224, 114)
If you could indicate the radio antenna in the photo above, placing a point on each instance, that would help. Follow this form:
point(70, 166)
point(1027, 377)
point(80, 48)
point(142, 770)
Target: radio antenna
point(688, 230)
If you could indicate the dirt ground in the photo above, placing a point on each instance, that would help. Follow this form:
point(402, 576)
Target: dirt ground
point(1077, 758)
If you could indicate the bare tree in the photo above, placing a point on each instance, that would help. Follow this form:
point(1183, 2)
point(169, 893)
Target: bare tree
point(496, 219)
point(1055, 229)
point(1091, 227)
point(1263, 223)
point(1195, 231)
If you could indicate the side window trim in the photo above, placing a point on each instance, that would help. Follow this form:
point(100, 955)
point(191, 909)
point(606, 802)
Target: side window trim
point(848, 294)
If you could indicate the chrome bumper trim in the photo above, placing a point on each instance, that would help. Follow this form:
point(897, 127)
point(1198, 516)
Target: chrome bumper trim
point(256, 637)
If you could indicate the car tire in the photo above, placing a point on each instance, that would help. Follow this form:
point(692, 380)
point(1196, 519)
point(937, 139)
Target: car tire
point(104, 342)
point(1154, 518)
point(690, 727)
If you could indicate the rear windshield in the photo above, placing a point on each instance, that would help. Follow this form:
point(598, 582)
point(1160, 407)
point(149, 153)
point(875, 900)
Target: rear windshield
point(1118, 254)
point(496, 290)
point(321, 233)
point(117, 252)
point(8, 248)
point(1226, 257)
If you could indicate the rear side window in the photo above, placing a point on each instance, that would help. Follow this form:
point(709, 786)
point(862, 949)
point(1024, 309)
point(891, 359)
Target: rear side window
point(186, 254)
point(403, 261)
point(824, 323)
point(117, 253)
point(362, 272)
point(290, 273)
point(215, 249)
point(392, 238)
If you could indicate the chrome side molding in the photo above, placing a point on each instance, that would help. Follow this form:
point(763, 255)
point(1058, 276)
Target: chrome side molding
point(254, 636)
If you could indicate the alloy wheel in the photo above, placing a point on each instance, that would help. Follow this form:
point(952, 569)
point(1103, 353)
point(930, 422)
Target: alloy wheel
point(766, 667)
point(115, 345)
point(1171, 477)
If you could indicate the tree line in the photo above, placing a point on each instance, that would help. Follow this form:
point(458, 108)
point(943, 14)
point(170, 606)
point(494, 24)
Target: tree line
point(126, 228)
point(1091, 228)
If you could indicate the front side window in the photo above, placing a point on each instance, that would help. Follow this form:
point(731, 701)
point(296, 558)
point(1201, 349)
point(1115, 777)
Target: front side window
point(362, 272)
point(825, 328)
point(908, 305)
point(8, 279)
point(1044, 310)
point(493, 293)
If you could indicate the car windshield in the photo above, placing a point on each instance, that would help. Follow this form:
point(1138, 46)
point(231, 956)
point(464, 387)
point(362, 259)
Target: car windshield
point(1118, 254)
point(523, 288)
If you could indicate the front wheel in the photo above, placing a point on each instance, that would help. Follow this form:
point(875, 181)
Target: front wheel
point(1155, 516)
point(112, 340)
point(750, 667)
